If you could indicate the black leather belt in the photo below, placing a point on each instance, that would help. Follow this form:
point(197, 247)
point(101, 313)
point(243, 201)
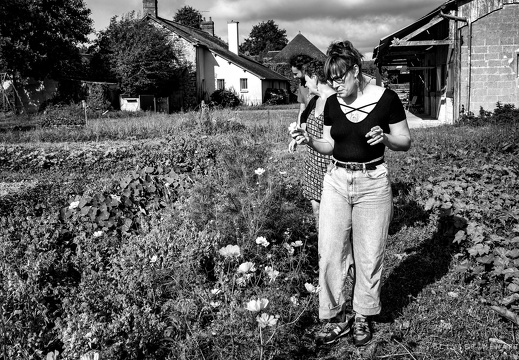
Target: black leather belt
point(358, 166)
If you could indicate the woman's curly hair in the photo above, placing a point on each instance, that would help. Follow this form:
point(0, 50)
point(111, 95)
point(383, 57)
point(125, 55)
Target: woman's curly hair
point(342, 56)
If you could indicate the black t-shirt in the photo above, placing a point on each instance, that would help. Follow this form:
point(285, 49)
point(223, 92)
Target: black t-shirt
point(350, 138)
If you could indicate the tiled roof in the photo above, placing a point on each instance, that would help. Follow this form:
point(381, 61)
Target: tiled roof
point(219, 47)
point(298, 45)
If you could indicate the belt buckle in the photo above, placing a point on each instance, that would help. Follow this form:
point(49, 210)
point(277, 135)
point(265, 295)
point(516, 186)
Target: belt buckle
point(355, 166)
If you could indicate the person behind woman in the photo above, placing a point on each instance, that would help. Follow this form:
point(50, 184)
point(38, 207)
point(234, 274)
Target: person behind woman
point(312, 120)
point(359, 123)
point(298, 64)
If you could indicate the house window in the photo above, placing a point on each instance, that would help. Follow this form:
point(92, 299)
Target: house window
point(243, 85)
point(220, 84)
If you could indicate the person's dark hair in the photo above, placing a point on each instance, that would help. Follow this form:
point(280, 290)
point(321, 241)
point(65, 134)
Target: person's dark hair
point(341, 57)
point(299, 61)
point(316, 68)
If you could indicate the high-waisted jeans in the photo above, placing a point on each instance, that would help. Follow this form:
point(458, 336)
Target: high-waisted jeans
point(360, 204)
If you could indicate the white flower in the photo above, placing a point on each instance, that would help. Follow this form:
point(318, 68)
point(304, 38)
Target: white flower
point(73, 205)
point(259, 171)
point(257, 305)
point(246, 267)
point(289, 248)
point(282, 173)
point(265, 320)
point(294, 300)
point(292, 126)
point(297, 243)
point(312, 289)
point(230, 251)
point(98, 233)
point(273, 274)
point(154, 258)
point(215, 304)
point(260, 240)
point(241, 281)
point(216, 291)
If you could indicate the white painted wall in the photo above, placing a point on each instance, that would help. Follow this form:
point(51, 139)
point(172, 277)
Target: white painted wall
point(232, 74)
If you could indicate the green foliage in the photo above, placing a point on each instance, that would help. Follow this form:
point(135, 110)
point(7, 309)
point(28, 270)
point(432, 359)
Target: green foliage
point(225, 98)
point(188, 16)
point(39, 37)
point(140, 56)
point(264, 37)
point(276, 96)
point(218, 221)
point(503, 114)
point(58, 115)
point(98, 97)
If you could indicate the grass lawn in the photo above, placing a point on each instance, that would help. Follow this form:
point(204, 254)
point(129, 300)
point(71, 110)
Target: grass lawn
point(114, 240)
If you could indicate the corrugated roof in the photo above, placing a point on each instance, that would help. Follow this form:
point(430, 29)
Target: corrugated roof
point(386, 41)
point(298, 45)
point(219, 47)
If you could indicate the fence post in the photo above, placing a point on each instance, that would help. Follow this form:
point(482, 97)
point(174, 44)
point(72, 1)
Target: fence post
point(83, 102)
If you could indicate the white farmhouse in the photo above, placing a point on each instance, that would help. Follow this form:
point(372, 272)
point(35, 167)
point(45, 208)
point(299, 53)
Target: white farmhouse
point(215, 64)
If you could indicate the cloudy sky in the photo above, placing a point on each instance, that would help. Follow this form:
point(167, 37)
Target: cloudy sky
point(363, 22)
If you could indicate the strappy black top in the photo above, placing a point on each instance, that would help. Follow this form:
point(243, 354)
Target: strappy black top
point(350, 138)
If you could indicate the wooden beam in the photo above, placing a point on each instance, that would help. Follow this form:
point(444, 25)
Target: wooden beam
point(404, 53)
point(435, 20)
point(400, 43)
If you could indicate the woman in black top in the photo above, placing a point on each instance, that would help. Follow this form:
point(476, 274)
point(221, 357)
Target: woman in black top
point(359, 123)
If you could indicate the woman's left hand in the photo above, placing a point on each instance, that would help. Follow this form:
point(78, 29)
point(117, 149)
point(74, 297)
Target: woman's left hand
point(300, 136)
point(376, 135)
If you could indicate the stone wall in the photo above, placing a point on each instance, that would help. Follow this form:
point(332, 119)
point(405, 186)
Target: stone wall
point(494, 59)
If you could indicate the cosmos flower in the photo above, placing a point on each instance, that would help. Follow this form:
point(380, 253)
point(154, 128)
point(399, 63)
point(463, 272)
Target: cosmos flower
point(230, 251)
point(260, 240)
point(265, 320)
point(312, 289)
point(292, 126)
point(246, 267)
point(273, 274)
point(289, 248)
point(98, 233)
point(259, 171)
point(73, 205)
point(216, 291)
point(257, 305)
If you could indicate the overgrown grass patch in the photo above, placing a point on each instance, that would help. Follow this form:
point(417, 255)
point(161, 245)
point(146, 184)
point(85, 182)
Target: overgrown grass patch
point(193, 279)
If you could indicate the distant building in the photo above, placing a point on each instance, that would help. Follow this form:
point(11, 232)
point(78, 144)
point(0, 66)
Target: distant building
point(298, 45)
point(462, 56)
point(279, 60)
point(215, 64)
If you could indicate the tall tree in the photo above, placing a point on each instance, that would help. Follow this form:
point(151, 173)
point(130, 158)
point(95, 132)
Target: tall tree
point(188, 16)
point(138, 55)
point(264, 37)
point(39, 38)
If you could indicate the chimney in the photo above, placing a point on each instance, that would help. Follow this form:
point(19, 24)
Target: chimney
point(149, 7)
point(232, 35)
point(208, 26)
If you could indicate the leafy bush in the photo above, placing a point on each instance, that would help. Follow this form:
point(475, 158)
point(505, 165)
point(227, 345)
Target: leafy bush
point(63, 115)
point(276, 96)
point(98, 98)
point(503, 114)
point(225, 98)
